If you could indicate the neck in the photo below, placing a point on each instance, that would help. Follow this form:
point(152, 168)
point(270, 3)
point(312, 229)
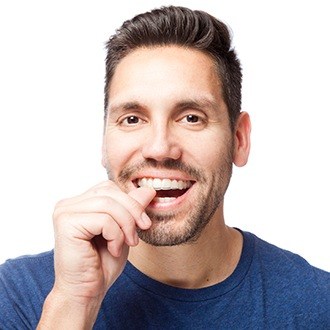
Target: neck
point(207, 261)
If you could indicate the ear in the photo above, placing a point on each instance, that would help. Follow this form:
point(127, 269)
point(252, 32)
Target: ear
point(242, 139)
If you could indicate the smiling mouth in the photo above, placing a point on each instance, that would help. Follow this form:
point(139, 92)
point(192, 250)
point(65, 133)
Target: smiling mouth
point(167, 190)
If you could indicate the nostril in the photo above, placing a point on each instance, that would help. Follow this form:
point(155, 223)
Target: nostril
point(161, 156)
point(160, 148)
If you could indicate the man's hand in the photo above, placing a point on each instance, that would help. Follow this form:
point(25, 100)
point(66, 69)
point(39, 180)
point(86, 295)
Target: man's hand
point(93, 233)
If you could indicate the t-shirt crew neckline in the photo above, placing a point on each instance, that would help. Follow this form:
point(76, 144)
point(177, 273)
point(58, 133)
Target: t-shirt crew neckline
point(202, 294)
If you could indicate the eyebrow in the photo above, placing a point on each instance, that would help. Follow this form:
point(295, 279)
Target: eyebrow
point(194, 103)
point(125, 106)
point(198, 103)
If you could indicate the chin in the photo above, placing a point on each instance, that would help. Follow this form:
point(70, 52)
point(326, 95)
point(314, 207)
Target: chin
point(170, 231)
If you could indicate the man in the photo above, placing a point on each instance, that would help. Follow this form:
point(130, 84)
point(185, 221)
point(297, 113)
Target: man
point(149, 248)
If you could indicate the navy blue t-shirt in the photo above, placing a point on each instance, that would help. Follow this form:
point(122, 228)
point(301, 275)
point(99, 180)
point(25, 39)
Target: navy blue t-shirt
point(270, 289)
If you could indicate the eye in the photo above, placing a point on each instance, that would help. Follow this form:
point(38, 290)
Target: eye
point(131, 121)
point(192, 119)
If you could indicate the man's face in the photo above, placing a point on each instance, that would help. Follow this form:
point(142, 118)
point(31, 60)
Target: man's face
point(168, 127)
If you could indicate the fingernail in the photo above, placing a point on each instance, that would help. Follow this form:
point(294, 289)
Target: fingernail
point(145, 219)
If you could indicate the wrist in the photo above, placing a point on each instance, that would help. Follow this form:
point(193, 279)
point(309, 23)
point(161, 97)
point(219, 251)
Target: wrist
point(62, 311)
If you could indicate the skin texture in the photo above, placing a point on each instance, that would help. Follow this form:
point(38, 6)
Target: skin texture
point(167, 119)
point(164, 117)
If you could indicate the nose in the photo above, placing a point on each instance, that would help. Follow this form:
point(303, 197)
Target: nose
point(161, 144)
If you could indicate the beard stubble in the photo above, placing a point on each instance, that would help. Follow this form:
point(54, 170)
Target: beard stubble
point(168, 229)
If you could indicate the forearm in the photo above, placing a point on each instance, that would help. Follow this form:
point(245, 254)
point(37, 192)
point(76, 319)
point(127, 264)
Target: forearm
point(61, 312)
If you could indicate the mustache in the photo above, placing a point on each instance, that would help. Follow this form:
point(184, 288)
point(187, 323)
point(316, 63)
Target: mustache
point(170, 164)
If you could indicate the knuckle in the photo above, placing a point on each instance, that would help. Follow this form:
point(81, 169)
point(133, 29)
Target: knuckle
point(120, 237)
point(106, 185)
point(61, 217)
point(96, 191)
point(104, 202)
point(128, 223)
point(60, 203)
point(56, 213)
point(59, 209)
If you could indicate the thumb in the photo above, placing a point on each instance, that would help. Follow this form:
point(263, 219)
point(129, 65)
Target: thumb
point(143, 195)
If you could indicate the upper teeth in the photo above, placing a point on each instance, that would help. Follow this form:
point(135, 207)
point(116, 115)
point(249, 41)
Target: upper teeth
point(164, 184)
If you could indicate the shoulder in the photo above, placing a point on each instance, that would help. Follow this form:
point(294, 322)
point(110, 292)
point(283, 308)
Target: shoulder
point(24, 284)
point(288, 281)
point(24, 269)
point(280, 262)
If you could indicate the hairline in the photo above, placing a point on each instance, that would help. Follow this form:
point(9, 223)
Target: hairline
point(216, 64)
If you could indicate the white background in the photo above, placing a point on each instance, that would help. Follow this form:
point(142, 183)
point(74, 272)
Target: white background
point(51, 112)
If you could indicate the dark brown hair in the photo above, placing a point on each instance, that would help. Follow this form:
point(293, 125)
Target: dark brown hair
point(182, 27)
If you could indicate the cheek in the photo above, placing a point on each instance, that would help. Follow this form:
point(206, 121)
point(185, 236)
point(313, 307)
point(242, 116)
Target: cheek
point(209, 150)
point(119, 150)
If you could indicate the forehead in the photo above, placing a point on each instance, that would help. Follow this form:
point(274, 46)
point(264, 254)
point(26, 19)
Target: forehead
point(164, 74)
